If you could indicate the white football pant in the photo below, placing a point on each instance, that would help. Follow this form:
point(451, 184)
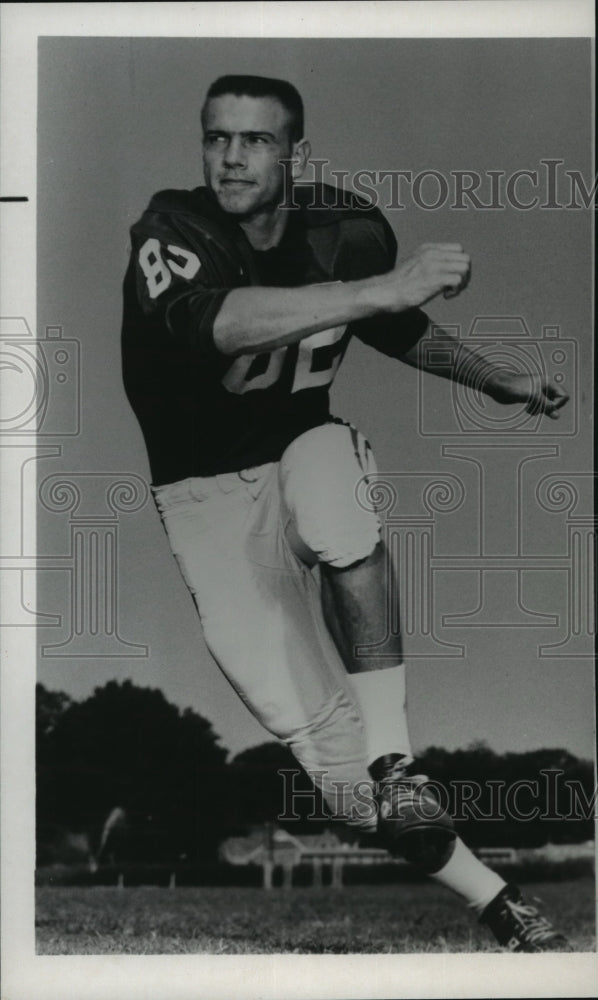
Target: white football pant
point(247, 544)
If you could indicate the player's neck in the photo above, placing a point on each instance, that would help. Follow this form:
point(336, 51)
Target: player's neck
point(265, 230)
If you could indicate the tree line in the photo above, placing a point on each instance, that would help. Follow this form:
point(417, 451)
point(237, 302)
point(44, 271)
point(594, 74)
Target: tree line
point(140, 780)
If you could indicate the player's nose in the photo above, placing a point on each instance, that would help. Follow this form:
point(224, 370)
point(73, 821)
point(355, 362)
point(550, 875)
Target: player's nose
point(234, 154)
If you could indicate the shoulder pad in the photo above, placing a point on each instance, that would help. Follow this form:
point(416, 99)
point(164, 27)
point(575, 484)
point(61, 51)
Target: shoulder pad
point(194, 211)
point(171, 200)
point(324, 205)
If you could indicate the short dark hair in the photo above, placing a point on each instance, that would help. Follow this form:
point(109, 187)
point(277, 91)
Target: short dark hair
point(263, 86)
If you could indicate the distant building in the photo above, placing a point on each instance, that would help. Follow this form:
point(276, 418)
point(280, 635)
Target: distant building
point(272, 846)
point(558, 852)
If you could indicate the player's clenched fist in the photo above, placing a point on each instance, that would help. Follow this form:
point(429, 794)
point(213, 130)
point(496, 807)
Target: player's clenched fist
point(433, 268)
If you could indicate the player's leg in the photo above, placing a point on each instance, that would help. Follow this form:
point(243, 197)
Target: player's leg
point(319, 476)
point(321, 473)
point(262, 621)
point(355, 601)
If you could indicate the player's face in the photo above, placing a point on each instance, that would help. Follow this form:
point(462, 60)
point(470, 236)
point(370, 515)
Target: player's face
point(244, 139)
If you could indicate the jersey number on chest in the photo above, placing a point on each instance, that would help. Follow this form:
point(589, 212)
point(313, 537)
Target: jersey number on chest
point(318, 355)
point(317, 361)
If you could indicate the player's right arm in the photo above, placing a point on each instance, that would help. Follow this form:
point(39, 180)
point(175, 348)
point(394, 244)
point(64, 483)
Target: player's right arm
point(253, 319)
point(191, 288)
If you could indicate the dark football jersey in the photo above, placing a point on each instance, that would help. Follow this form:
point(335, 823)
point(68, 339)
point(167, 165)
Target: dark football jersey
point(202, 412)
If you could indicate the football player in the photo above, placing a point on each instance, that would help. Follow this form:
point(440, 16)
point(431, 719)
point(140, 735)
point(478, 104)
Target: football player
point(239, 303)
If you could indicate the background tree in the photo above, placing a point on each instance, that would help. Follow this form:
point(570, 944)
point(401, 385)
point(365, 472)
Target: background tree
point(128, 747)
point(49, 709)
point(264, 779)
point(515, 799)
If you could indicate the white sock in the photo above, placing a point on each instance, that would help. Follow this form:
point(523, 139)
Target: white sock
point(381, 698)
point(469, 878)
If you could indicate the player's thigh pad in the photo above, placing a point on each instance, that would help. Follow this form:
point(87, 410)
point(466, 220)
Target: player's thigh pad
point(259, 605)
point(319, 475)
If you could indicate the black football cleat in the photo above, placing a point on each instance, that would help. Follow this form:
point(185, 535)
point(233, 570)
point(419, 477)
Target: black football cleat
point(412, 823)
point(519, 927)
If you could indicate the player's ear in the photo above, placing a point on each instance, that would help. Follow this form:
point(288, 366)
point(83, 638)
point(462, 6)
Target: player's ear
point(300, 158)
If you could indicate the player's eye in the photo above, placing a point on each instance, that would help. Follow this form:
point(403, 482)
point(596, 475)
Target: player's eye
point(214, 138)
point(257, 140)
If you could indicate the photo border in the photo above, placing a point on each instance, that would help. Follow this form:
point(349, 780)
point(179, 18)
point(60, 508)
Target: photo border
point(280, 977)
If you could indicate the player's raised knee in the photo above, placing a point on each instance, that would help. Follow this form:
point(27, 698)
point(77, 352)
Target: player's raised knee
point(320, 473)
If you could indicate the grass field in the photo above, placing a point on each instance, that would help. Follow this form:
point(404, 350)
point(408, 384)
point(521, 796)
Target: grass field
point(366, 919)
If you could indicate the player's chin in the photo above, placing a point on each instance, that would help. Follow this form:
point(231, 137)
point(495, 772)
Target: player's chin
point(236, 198)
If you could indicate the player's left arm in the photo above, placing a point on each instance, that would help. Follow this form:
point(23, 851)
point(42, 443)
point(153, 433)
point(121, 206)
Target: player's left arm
point(402, 336)
point(539, 393)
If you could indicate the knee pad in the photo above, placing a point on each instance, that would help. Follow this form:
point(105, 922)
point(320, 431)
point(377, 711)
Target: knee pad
point(319, 475)
point(413, 824)
point(428, 849)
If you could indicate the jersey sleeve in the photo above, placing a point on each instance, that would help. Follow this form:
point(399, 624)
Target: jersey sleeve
point(175, 280)
point(395, 333)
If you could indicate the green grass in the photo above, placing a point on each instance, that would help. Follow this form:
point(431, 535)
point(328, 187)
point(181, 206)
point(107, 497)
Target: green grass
point(366, 919)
